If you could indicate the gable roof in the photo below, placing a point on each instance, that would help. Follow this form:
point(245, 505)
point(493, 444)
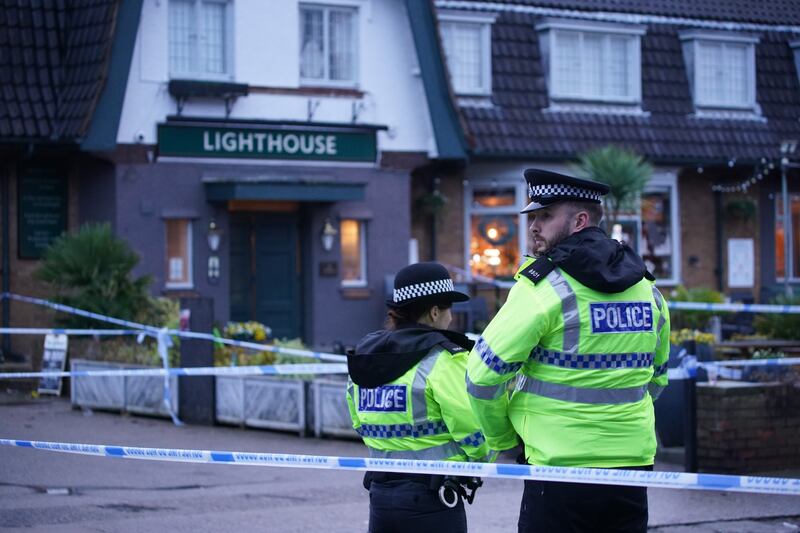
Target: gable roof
point(518, 123)
point(54, 57)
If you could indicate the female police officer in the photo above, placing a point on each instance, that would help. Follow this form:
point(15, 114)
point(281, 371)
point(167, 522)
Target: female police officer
point(408, 400)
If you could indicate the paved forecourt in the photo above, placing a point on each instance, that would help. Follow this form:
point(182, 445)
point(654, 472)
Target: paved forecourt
point(62, 492)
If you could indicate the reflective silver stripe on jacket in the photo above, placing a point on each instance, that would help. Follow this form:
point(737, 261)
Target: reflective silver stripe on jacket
point(485, 392)
point(391, 431)
point(654, 390)
point(569, 310)
point(419, 404)
point(443, 451)
point(661, 319)
point(494, 362)
point(567, 393)
point(599, 361)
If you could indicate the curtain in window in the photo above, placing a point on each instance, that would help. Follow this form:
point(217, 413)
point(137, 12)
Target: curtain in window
point(311, 52)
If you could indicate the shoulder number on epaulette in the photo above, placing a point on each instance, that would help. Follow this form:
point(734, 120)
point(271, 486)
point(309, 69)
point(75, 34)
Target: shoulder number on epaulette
point(452, 347)
point(538, 270)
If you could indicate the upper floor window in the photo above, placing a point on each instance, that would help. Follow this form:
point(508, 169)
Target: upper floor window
point(199, 38)
point(721, 68)
point(328, 45)
point(592, 61)
point(467, 42)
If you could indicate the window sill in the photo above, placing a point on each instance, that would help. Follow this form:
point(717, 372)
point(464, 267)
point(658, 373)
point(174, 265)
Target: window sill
point(598, 107)
point(180, 292)
point(355, 293)
point(717, 113)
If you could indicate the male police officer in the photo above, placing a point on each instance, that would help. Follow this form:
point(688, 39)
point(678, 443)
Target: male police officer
point(587, 333)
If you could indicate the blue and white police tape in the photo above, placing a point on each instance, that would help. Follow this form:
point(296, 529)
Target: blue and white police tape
point(602, 476)
point(155, 331)
point(252, 370)
point(734, 308)
point(725, 369)
point(73, 332)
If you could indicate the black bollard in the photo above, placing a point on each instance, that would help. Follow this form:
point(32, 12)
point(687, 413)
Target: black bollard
point(196, 394)
point(690, 424)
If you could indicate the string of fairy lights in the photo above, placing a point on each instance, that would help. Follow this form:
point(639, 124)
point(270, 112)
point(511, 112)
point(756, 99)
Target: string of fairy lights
point(760, 171)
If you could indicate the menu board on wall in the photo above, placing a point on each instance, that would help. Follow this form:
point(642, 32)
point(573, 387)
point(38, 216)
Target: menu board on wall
point(42, 210)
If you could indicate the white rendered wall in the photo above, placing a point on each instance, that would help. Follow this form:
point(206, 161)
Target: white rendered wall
point(266, 55)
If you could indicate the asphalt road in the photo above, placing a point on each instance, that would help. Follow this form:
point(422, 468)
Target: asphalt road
point(55, 492)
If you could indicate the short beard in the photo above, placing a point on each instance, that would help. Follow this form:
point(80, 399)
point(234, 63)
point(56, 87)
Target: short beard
point(562, 234)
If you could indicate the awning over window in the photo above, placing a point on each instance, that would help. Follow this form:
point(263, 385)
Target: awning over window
point(300, 191)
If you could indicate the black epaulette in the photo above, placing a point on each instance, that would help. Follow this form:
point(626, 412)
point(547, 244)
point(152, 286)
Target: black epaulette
point(452, 347)
point(538, 270)
point(649, 276)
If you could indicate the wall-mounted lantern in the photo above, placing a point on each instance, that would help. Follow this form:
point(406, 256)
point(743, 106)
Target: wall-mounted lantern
point(328, 235)
point(214, 238)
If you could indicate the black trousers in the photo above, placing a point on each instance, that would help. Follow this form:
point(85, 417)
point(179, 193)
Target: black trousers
point(557, 507)
point(408, 506)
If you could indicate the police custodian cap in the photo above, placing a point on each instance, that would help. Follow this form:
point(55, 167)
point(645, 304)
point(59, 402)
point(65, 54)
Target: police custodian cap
point(546, 188)
point(424, 282)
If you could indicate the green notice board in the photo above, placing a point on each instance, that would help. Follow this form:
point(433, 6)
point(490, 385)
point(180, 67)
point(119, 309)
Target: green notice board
point(42, 210)
point(255, 142)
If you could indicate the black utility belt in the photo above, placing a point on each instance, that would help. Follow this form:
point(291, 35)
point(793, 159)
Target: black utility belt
point(425, 479)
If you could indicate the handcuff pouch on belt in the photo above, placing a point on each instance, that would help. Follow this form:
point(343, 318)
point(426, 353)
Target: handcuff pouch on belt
point(452, 488)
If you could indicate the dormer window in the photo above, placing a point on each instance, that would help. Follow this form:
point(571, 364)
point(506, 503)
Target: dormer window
point(721, 69)
point(467, 42)
point(591, 61)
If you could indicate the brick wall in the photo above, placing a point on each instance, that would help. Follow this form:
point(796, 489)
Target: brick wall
point(748, 427)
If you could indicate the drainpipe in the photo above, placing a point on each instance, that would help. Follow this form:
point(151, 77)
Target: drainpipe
point(434, 225)
point(719, 234)
point(6, 261)
point(787, 225)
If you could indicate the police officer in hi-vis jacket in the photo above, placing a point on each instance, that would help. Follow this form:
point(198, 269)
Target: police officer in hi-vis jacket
point(586, 333)
point(407, 399)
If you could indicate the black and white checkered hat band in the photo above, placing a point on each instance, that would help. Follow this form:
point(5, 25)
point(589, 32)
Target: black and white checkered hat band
point(556, 190)
point(422, 289)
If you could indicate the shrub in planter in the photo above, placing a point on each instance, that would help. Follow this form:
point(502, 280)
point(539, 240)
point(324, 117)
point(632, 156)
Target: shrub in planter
point(692, 320)
point(780, 325)
point(91, 269)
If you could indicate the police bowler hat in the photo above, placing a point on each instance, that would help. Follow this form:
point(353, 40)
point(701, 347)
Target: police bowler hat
point(424, 282)
point(546, 188)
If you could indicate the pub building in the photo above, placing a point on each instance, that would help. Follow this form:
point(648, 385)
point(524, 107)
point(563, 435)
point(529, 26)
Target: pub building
point(255, 154)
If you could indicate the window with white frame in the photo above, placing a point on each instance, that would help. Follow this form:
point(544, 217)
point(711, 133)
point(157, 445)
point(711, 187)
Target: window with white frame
point(592, 61)
point(496, 235)
point(721, 68)
point(467, 43)
point(495, 231)
point(328, 45)
point(199, 38)
point(178, 255)
point(353, 241)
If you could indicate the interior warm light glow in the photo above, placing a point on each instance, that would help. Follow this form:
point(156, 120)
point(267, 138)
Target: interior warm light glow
point(476, 258)
point(491, 252)
point(492, 233)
